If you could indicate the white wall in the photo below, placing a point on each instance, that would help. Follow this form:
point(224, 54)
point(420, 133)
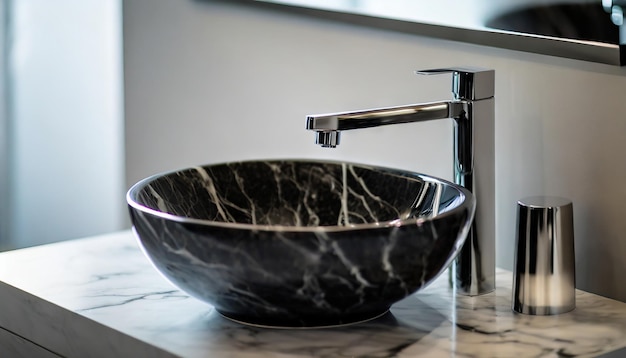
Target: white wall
point(209, 82)
point(66, 144)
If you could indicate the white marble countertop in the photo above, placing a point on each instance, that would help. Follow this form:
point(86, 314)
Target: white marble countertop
point(100, 297)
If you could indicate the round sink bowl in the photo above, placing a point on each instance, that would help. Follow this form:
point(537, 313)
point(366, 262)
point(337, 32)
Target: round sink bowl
point(299, 243)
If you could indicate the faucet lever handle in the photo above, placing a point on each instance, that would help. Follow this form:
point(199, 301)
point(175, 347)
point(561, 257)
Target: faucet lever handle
point(468, 83)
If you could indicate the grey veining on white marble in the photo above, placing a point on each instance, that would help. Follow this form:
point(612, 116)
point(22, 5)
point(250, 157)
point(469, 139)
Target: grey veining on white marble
point(100, 297)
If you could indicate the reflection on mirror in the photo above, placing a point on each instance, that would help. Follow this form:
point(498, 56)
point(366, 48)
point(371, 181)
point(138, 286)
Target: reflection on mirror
point(579, 21)
point(581, 29)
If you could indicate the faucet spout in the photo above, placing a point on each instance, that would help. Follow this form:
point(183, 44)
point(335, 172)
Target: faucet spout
point(382, 116)
point(327, 127)
point(472, 110)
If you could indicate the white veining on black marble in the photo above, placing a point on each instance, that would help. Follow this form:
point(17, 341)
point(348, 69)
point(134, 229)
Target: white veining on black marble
point(290, 269)
point(284, 193)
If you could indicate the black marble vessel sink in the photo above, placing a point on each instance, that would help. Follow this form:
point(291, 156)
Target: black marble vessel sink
point(298, 243)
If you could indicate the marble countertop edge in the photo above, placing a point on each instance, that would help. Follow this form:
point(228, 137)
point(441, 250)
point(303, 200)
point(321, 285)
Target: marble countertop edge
point(101, 297)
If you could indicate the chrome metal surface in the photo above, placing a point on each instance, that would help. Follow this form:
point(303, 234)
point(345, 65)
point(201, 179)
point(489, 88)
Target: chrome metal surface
point(472, 110)
point(327, 139)
point(391, 115)
point(467, 83)
point(544, 276)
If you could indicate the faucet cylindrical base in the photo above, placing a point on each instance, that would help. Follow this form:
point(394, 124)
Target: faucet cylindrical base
point(473, 274)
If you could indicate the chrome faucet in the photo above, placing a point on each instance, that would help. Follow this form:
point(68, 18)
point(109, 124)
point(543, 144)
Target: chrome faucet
point(472, 110)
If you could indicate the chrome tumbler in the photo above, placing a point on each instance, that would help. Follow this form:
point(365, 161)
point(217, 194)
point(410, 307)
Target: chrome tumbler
point(544, 276)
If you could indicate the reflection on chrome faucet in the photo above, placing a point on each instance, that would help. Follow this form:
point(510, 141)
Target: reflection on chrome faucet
point(472, 109)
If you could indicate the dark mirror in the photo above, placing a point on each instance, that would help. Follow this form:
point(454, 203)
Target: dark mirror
point(580, 29)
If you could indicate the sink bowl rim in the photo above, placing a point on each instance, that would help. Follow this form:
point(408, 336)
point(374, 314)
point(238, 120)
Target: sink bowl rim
point(467, 199)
